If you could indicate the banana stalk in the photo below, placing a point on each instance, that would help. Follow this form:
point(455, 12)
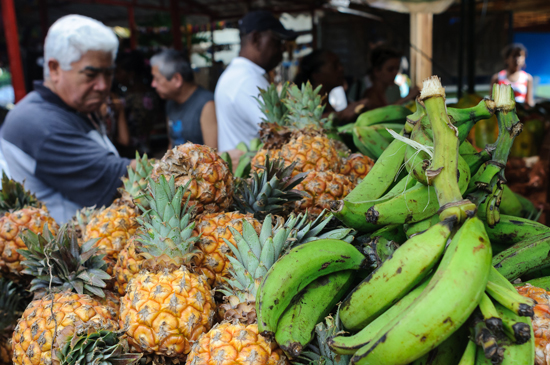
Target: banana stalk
point(443, 169)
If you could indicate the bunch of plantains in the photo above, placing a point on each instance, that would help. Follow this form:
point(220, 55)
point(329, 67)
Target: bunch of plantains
point(435, 211)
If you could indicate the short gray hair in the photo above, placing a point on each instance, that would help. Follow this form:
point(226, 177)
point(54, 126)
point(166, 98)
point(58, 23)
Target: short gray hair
point(71, 36)
point(171, 62)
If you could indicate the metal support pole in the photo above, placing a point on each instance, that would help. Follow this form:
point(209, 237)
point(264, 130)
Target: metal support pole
point(14, 53)
point(133, 27)
point(176, 30)
point(471, 61)
point(461, 46)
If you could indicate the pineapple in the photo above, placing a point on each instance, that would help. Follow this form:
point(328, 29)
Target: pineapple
point(127, 266)
point(166, 307)
point(212, 231)
point(10, 305)
point(113, 226)
point(60, 263)
point(356, 166)
point(94, 344)
point(274, 130)
point(309, 145)
point(322, 188)
point(541, 321)
point(211, 180)
point(21, 211)
point(44, 319)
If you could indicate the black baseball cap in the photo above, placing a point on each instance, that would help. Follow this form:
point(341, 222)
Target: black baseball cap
point(262, 20)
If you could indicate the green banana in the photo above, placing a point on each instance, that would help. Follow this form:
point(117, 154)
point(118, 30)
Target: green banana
point(243, 167)
point(392, 232)
point(225, 156)
point(295, 270)
point(511, 299)
point(460, 279)
point(510, 204)
point(255, 144)
point(386, 114)
point(352, 213)
point(490, 314)
point(370, 142)
point(524, 257)
point(382, 174)
point(496, 277)
point(348, 345)
point(465, 119)
point(469, 356)
point(475, 161)
point(414, 205)
point(516, 328)
point(409, 264)
point(378, 250)
point(518, 354)
point(242, 147)
point(449, 352)
point(419, 227)
point(511, 230)
point(543, 283)
point(487, 341)
point(297, 324)
point(529, 209)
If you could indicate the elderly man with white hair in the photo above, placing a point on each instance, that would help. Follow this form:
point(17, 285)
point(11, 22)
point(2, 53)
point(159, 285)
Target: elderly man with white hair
point(49, 142)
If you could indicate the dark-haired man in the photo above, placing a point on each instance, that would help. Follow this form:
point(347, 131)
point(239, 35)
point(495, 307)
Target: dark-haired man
point(190, 110)
point(262, 37)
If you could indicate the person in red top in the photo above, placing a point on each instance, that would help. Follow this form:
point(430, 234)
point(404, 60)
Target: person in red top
point(522, 83)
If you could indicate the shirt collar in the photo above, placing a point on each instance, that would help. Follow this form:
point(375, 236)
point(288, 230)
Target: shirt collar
point(49, 96)
point(247, 63)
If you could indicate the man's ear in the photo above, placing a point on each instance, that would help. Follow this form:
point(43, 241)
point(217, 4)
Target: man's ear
point(255, 37)
point(177, 80)
point(55, 69)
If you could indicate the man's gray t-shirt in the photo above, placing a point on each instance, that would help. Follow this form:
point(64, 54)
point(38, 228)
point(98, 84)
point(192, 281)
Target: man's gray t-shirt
point(184, 120)
point(60, 155)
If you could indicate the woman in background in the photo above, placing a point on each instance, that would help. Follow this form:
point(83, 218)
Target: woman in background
point(521, 82)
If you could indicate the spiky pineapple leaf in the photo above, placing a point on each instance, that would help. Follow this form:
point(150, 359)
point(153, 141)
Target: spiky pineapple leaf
point(13, 196)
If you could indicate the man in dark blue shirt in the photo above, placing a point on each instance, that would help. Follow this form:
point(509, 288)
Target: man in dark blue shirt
point(49, 141)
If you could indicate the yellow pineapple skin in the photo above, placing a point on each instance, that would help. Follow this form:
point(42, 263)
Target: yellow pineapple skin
point(34, 333)
point(235, 344)
point(164, 312)
point(322, 189)
point(259, 158)
point(127, 266)
point(213, 229)
point(11, 225)
point(311, 152)
point(211, 187)
point(113, 227)
point(541, 321)
point(356, 166)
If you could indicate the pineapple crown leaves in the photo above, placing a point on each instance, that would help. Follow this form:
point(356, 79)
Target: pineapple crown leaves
point(269, 191)
point(136, 182)
point(320, 353)
point(305, 230)
point(167, 224)
point(254, 255)
point(13, 196)
point(10, 303)
point(271, 104)
point(94, 346)
point(61, 263)
point(305, 106)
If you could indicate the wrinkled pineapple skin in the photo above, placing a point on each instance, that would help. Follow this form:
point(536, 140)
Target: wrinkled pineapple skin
point(322, 188)
point(113, 227)
point(32, 338)
point(128, 265)
point(211, 187)
point(541, 321)
point(213, 229)
point(311, 152)
point(356, 167)
point(11, 225)
point(235, 344)
point(164, 312)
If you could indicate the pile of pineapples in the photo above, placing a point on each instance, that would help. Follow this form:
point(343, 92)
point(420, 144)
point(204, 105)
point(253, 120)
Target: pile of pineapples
point(169, 272)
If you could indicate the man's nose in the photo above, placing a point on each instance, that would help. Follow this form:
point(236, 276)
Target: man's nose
point(103, 83)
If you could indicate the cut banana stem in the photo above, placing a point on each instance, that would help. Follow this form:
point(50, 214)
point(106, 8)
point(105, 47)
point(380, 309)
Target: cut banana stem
point(486, 339)
point(490, 314)
point(465, 119)
point(508, 122)
point(511, 299)
point(469, 356)
point(443, 169)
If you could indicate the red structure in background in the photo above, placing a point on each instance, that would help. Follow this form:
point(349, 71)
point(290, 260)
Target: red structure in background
point(14, 53)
